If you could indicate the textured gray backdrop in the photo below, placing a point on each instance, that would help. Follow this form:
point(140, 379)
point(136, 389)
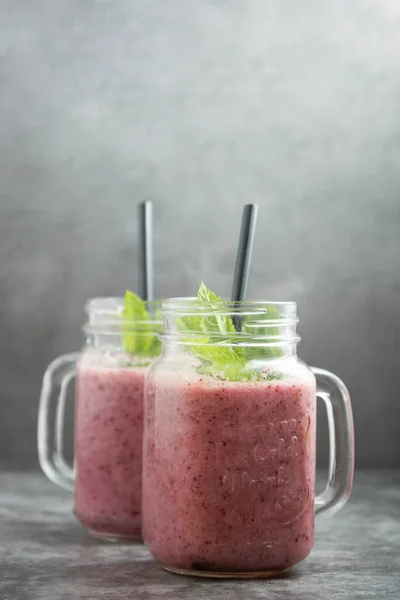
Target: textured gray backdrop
point(202, 106)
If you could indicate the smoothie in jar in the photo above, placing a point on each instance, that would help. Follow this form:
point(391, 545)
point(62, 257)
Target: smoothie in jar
point(110, 378)
point(121, 342)
point(230, 473)
point(108, 447)
point(229, 446)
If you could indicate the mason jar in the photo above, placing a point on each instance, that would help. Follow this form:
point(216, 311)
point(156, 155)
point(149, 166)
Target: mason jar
point(109, 372)
point(230, 441)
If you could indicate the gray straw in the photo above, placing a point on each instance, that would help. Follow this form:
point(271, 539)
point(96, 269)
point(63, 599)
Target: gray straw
point(146, 280)
point(245, 248)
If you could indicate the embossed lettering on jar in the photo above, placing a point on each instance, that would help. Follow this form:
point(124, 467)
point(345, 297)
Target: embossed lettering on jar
point(229, 454)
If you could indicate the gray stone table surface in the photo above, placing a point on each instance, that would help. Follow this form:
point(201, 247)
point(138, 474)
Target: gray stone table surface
point(46, 555)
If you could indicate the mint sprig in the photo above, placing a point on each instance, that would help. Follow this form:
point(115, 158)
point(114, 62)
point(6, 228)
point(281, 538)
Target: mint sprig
point(214, 323)
point(139, 333)
point(229, 363)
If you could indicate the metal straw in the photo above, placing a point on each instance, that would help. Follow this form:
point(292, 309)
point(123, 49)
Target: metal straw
point(245, 248)
point(146, 279)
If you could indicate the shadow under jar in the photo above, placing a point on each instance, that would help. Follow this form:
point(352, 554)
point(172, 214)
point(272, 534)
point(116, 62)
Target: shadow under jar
point(110, 372)
point(230, 442)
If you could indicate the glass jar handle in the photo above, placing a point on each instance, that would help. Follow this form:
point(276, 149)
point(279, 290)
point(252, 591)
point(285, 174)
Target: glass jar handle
point(336, 397)
point(56, 379)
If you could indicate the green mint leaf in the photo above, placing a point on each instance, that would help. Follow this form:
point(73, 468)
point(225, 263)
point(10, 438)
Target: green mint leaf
point(206, 324)
point(189, 323)
point(223, 362)
point(213, 323)
point(205, 295)
point(155, 346)
point(139, 336)
point(229, 363)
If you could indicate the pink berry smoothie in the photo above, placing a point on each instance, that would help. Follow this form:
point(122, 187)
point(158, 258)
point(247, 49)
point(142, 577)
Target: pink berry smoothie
point(229, 473)
point(108, 448)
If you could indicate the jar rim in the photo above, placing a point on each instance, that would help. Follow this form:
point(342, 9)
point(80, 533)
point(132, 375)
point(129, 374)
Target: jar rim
point(107, 313)
point(255, 322)
point(191, 306)
point(109, 302)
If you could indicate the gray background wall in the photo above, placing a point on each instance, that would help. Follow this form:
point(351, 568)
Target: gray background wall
point(202, 106)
